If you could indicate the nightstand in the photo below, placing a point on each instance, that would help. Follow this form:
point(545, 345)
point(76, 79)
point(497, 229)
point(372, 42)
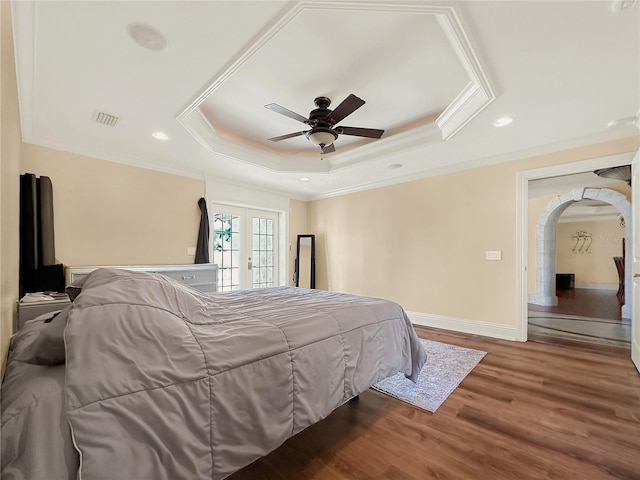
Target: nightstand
point(30, 310)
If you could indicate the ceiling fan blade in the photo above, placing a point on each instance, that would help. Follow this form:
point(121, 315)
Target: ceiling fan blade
point(285, 111)
point(288, 135)
point(347, 107)
point(361, 132)
point(329, 149)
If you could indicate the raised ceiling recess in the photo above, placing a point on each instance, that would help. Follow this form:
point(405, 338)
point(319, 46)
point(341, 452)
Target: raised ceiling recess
point(327, 50)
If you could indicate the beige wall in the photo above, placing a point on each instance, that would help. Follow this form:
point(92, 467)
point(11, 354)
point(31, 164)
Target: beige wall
point(107, 213)
point(10, 144)
point(423, 243)
point(297, 226)
point(596, 266)
point(536, 207)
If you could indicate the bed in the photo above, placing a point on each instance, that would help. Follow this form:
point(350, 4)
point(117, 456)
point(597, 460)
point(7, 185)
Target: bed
point(143, 377)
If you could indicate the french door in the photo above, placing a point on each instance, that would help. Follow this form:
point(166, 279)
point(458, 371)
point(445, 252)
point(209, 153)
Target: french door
point(245, 247)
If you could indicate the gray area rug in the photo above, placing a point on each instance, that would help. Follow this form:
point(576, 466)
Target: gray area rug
point(446, 367)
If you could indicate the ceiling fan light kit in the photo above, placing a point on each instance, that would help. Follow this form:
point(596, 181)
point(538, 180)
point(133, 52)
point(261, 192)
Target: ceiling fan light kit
point(321, 136)
point(323, 120)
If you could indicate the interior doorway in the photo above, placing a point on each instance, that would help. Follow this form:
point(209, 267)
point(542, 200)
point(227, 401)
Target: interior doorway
point(526, 280)
point(580, 259)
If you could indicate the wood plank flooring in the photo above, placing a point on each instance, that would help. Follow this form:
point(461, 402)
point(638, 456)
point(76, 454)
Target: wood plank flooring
point(585, 302)
point(527, 411)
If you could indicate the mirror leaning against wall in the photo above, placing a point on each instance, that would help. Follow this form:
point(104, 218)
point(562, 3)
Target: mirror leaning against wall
point(304, 275)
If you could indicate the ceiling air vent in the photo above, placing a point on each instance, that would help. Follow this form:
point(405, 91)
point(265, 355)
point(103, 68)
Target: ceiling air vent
point(106, 119)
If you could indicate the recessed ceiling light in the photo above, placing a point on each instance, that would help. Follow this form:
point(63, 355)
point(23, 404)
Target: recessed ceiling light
point(393, 166)
point(148, 37)
point(160, 135)
point(304, 179)
point(503, 121)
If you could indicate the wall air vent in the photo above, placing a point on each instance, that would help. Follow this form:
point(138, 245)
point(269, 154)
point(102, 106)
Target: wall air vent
point(106, 119)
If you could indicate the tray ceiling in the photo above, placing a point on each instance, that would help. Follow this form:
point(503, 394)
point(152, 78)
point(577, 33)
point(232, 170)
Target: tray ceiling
point(434, 76)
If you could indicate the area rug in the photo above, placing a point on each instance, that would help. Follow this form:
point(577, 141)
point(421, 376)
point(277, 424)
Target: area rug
point(447, 365)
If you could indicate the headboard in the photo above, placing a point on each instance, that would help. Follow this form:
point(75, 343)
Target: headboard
point(203, 276)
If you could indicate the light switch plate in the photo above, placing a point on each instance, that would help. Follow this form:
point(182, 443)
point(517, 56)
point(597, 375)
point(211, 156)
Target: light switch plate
point(494, 255)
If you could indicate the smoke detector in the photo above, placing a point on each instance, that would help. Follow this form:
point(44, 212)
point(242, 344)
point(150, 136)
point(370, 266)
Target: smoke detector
point(148, 37)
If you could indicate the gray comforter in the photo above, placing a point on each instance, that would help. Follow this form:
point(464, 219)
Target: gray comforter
point(163, 382)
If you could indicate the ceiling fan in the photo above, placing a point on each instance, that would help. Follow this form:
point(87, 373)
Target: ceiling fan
point(323, 120)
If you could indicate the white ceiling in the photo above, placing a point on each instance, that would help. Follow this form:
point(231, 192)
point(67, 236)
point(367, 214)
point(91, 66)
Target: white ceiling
point(434, 76)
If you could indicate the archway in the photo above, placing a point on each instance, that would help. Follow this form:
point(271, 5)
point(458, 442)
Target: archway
point(546, 242)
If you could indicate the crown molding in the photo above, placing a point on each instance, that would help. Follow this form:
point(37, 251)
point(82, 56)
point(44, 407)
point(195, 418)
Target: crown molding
point(91, 152)
point(471, 101)
point(476, 95)
point(387, 147)
point(482, 162)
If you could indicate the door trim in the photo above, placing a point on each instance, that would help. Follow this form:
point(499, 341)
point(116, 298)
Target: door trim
point(522, 215)
point(635, 262)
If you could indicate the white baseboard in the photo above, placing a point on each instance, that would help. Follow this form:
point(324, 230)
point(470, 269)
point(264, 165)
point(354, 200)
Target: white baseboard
point(635, 353)
point(475, 327)
point(597, 286)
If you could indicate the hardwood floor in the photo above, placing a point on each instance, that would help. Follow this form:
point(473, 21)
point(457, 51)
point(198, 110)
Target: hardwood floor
point(527, 411)
point(607, 331)
point(585, 302)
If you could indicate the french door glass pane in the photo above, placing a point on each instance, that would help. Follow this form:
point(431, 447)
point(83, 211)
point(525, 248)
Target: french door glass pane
point(226, 250)
point(263, 265)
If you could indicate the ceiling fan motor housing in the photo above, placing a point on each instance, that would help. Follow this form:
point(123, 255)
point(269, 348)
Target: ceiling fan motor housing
point(318, 116)
point(320, 124)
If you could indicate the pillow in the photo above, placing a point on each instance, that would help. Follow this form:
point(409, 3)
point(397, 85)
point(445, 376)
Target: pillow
point(74, 289)
point(43, 342)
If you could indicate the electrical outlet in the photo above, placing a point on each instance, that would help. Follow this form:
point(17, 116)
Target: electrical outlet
point(191, 251)
point(493, 254)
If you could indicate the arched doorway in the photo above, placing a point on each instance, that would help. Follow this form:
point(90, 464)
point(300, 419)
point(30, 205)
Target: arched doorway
point(546, 242)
